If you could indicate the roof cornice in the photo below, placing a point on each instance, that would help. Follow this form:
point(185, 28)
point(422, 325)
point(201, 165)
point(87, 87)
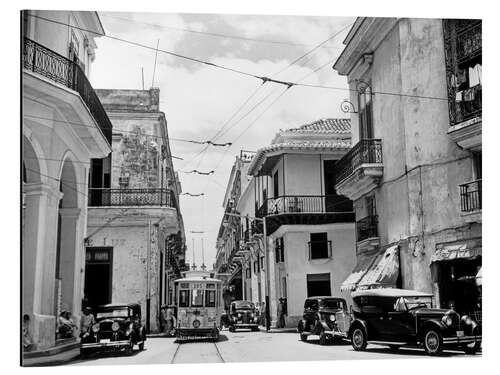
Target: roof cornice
point(363, 38)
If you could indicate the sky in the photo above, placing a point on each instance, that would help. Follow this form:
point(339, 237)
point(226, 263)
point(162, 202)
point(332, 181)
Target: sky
point(199, 100)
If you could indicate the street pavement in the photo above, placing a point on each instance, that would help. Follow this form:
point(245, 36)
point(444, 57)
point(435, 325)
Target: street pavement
point(245, 346)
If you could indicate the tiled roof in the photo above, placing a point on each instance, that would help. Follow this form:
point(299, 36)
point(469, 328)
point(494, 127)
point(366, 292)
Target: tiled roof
point(328, 125)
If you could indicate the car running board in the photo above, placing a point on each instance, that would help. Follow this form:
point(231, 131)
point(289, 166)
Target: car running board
point(387, 343)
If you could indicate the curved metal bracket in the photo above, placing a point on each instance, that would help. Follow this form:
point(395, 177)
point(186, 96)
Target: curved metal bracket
point(347, 107)
point(362, 86)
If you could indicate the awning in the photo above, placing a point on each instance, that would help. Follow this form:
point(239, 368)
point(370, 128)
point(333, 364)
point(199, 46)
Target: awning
point(384, 271)
point(467, 249)
point(362, 266)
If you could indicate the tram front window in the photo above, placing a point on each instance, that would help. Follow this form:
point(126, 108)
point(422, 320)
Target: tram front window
point(197, 298)
point(184, 298)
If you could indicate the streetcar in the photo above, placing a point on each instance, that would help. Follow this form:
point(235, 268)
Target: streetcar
point(199, 306)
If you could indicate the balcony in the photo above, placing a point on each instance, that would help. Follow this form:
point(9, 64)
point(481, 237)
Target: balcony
point(471, 195)
point(107, 197)
point(304, 209)
point(360, 170)
point(463, 54)
point(367, 233)
point(58, 69)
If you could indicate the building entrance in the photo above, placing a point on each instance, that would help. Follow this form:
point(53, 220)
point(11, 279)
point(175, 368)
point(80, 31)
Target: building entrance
point(318, 284)
point(98, 276)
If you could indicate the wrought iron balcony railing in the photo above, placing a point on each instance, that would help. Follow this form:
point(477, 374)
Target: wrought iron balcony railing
point(367, 228)
point(288, 204)
point(471, 196)
point(366, 151)
point(107, 197)
point(59, 69)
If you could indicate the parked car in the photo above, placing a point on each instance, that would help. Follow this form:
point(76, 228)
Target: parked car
point(399, 317)
point(326, 317)
point(118, 327)
point(243, 314)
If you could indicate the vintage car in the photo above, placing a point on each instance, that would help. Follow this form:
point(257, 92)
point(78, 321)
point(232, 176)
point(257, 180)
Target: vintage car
point(243, 314)
point(118, 327)
point(399, 317)
point(326, 317)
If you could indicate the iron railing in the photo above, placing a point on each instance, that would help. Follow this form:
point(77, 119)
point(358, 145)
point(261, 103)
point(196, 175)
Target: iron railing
point(59, 69)
point(287, 204)
point(471, 196)
point(320, 249)
point(106, 197)
point(366, 151)
point(463, 51)
point(367, 227)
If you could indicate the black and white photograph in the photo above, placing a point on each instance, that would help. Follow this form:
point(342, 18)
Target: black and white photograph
point(204, 187)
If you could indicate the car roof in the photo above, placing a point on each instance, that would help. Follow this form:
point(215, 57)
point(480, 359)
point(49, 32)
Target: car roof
point(324, 297)
point(118, 305)
point(390, 292)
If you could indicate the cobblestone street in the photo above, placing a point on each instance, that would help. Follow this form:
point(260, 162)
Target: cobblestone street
point(244, 346)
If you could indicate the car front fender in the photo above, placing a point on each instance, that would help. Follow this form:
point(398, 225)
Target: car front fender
point(356, 323)
point(428, 324)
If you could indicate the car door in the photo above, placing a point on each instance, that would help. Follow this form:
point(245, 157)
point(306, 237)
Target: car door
point(396, 324)
point(310, 313)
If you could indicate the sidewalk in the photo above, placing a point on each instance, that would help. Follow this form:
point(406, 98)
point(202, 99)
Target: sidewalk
point(53, 356)
point(279, 330)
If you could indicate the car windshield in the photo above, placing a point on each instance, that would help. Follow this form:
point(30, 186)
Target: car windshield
point(244, 305)
point(114, 313)
point(333, 304)
point(413, 302)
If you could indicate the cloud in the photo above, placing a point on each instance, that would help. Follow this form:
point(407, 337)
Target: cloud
point(198, 99)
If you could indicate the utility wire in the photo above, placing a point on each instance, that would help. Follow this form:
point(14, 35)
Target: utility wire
point(219, 35)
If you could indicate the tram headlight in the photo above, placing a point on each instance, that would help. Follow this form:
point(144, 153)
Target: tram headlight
point(196, 323)
point(95, 328)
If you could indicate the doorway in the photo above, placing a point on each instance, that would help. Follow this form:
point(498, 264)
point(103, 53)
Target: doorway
point(318, 284)
point(98, 276)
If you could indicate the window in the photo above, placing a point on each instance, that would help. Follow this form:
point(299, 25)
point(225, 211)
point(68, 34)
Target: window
point(249, 272)
point(279, 250)
point(477, 165)
point(365, 113)
point(210, 298)
point(319, 246)
point(262, 263)
point(184, 298)
point(197, 298)
point(371, 208)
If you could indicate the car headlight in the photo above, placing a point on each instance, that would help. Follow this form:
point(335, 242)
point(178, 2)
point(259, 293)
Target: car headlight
point(115, 326)
point(447, 320)
point(252, 315)
point(95, 328)
point(239, 315)
point(332, 318)
point(467, 320)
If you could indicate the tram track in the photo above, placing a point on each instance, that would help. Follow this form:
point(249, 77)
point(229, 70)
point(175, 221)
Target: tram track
point(197, 352)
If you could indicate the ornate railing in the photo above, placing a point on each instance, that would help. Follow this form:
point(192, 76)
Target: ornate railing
point(471, 196)
point(57, 68)
point(131, 197)
point(288, 204)
point(367, 228)
point(463, 55)
point(365, 151)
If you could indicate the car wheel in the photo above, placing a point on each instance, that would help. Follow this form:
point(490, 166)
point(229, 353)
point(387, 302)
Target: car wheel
point(433, 342)
point(358, 339)
point(303, 337)
point(323, 338)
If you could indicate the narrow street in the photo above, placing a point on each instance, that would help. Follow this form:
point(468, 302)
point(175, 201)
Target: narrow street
point(244, 346)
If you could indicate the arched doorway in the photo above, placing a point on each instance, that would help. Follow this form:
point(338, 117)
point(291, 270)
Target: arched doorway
point(67, 245)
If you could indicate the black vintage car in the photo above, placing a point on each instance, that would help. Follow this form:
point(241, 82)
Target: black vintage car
point(326, 317)
point(118, 327)
point(399, 317)
point(242, 314)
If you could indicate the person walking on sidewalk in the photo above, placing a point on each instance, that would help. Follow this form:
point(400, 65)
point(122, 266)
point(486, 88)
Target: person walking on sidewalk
point(281, 314)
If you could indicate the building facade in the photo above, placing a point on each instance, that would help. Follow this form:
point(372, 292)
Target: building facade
point(135, 240)
point(64, 126)
point(309, 228)
point(414, 172)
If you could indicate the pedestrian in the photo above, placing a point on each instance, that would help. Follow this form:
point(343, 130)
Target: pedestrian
point(86, 323)
point(170, 321)
point(281, 317)
point(27, 340)
point(163, 319)
point(65, 325)
point(263, 314)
